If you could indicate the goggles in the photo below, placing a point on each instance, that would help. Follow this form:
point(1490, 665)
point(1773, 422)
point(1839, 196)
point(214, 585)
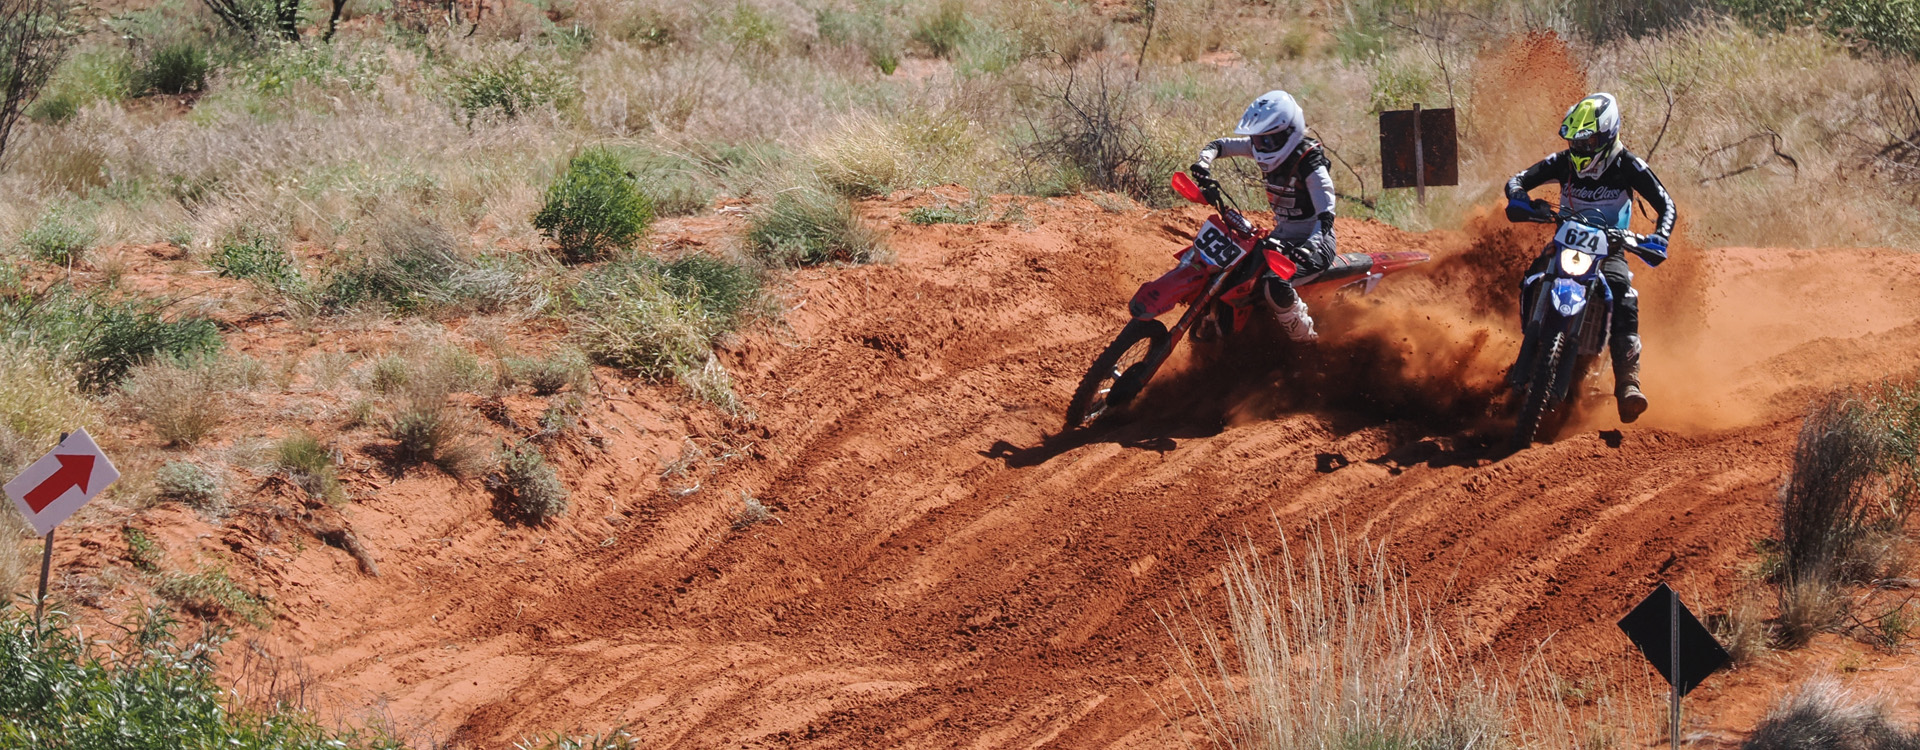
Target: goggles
point(1271, 141)
point(1585, 144)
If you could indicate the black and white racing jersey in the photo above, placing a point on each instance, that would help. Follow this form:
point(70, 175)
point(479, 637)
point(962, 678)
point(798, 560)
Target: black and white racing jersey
point(1611, 193)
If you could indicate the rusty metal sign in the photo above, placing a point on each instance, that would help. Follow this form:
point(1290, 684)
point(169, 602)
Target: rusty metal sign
point(1418, 148)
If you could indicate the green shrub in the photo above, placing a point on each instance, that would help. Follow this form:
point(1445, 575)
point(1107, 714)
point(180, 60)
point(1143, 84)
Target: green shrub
point(102, 73)
point(653, 318)
point(424, 426)
point(508, 87)
point(255, 257)
point(943, 31)
point(529, 488)
point(594, 210)
point(211, 595)
point(61, 237)
point(100, 339)
point(308, 464)
point(177, 68)
point(1891, 25)
point(142, 553)
point(867, 29)
point(551, 375)
point(807, 227)
point(60, 689)
point(187, 482)
point(417, 268)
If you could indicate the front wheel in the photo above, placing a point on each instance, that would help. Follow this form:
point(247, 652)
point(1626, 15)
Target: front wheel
point(1117, 374)
point(1540, 387)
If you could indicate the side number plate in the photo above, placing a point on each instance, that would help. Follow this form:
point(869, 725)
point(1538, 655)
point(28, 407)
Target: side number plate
point(1581, 237)
point(1216, 246)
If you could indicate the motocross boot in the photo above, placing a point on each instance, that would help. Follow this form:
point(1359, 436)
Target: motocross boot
point(1292, 317)
point(1214, 325)
point(1626, 378)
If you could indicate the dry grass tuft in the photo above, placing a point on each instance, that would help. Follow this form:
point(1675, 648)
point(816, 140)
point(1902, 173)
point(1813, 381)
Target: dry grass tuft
point(184, 402)
point(1330, 651)
point(1821, 715)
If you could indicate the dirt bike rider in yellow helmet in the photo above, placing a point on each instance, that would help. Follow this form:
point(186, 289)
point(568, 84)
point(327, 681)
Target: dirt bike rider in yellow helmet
point(1300, 191)
point(1597, 172)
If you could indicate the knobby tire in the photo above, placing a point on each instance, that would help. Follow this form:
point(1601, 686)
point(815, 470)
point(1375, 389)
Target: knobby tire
point(1539, 392)
point(1091, 401)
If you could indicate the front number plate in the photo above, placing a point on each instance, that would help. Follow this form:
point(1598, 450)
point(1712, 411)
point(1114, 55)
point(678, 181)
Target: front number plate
point(1215, 246)
point(1581, 237)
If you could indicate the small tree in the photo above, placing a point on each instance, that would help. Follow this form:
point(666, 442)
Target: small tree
point(594, 209)
point(33, 39)
point(259, 20)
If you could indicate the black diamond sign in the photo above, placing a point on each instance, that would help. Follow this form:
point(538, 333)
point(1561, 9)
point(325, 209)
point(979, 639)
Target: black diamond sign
point(1650, 628)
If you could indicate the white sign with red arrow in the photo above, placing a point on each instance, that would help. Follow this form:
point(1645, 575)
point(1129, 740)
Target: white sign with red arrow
point(51, 489)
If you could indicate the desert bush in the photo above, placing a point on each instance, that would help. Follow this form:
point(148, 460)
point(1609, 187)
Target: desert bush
point(675, 184)
point(594, 209)
point(1093, 124)
point(308, 464)
point(61, 236)
point(178, 67)
point(807, 227)
point(1820, 715)
point(657, 319)
point(34, 37)
point(424, 426)
point(62, 689)
point(189, 483)
point(1893, 26)
point(509, 86)
point(531, 490)
point(259, 20)
point(943, 30)
point(91, 74)
point(99, 337)
point(212, 595)
point(1826, 510)
point(142, 553)
point(417, 267)
point(256, 257)
point(184, 401)
point(868, 28)
point(566, 368)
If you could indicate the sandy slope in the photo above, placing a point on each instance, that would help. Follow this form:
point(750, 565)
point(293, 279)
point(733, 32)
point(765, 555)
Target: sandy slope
point(942, 570)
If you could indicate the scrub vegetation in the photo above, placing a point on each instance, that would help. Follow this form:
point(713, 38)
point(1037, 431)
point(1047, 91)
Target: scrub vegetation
point(369, 194)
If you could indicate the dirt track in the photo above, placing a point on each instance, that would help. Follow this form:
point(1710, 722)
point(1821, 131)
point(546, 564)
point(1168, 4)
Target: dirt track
point(941, 570)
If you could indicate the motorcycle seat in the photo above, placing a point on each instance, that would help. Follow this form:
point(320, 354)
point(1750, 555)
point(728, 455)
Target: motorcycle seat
point(1344, 265)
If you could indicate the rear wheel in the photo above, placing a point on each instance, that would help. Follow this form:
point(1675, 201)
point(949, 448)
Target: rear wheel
point(1117, 375)
point(1540, 387)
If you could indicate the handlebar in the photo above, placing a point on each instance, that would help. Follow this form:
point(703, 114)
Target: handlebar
point(1621, 237)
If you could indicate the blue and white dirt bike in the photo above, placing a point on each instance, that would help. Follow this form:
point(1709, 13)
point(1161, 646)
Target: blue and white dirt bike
point(1568, 321)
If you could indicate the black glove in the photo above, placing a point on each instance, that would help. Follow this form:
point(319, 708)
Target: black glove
point(1326, 221)
point(1519, 210)
point(1209, 189)
point(1199, 171)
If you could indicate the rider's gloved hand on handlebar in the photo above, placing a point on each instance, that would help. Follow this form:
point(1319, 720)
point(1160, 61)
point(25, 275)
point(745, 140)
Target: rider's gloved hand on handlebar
point(1523, 211)
point(1653, 250)
point(1209, 187)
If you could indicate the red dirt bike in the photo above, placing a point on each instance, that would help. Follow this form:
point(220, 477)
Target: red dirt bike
point(1222, 245)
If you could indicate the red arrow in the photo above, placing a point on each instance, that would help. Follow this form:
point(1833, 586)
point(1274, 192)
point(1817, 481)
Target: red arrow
point(75, 470)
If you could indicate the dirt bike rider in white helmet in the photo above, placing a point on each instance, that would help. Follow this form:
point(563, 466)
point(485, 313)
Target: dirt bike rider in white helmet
point(1597, 172)
point(1300, 191)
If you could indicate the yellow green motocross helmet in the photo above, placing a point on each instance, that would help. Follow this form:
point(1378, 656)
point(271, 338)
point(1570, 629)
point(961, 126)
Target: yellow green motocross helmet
point(1592, 132)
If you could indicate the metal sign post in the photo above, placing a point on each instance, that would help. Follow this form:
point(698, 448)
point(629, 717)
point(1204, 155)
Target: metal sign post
point(49, 490)
point(1677, 644)
point(1419, 147)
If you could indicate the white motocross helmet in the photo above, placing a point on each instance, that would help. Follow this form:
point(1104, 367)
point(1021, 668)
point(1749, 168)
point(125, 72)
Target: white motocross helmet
point(1275, 124)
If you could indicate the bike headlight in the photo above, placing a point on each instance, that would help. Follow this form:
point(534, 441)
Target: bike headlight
point(1575, 263)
